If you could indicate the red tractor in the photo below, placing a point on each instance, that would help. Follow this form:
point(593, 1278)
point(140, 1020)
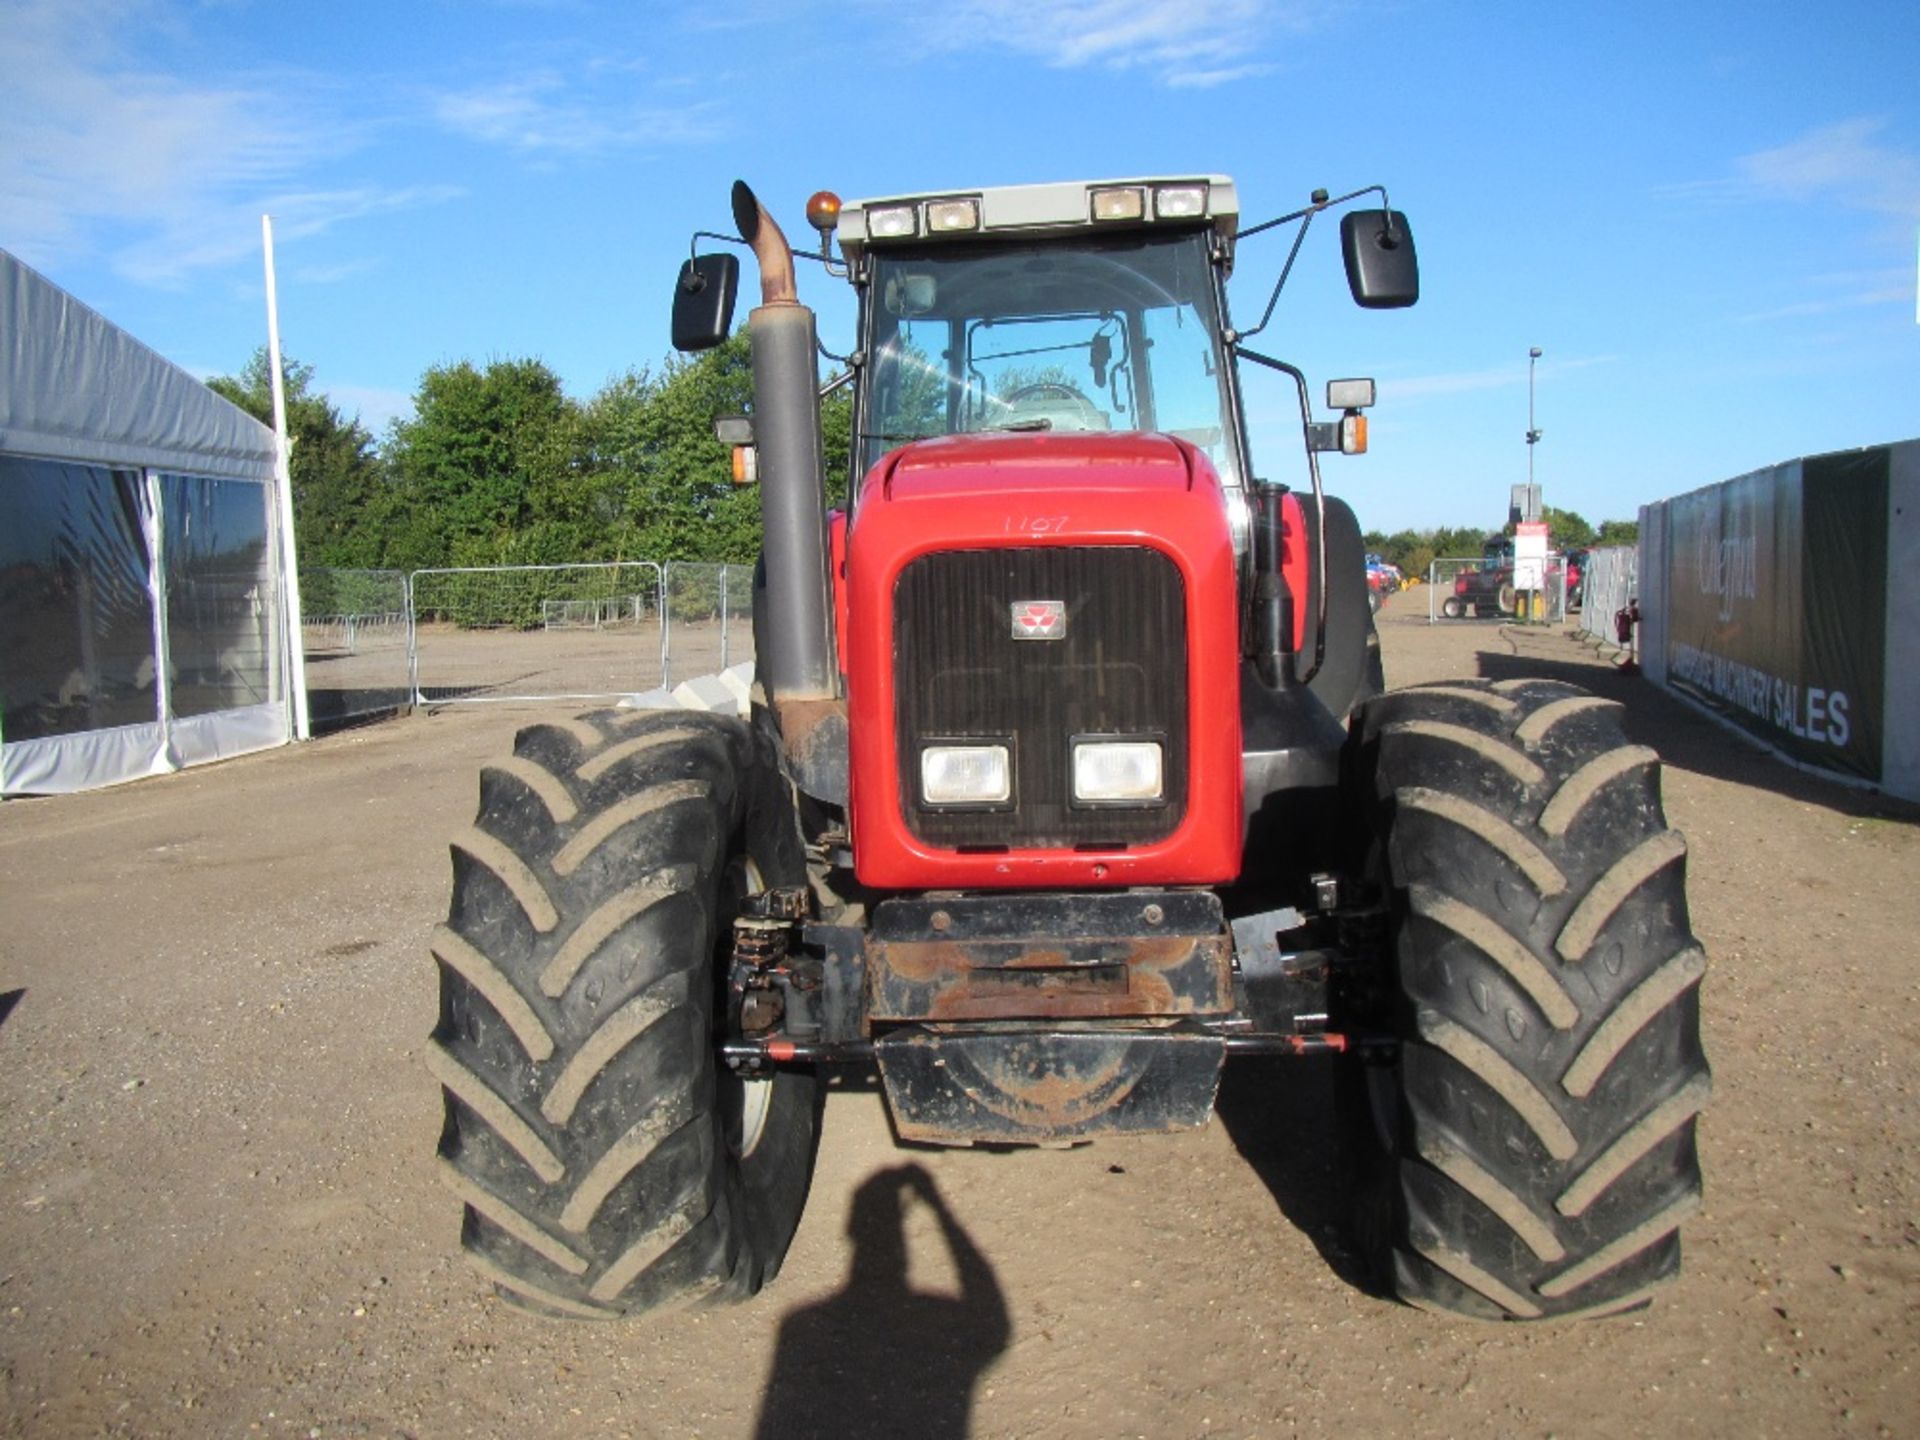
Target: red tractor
point(1068, 778)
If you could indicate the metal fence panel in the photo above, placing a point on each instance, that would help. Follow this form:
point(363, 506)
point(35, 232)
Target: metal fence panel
point(1611, 580)
point(353, 631)
point(709, 618)
point(537, 632)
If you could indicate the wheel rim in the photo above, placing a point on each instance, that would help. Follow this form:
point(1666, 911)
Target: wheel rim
point(743, 1103)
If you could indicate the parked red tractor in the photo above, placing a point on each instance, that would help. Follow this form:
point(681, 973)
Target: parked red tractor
point(1068, 777)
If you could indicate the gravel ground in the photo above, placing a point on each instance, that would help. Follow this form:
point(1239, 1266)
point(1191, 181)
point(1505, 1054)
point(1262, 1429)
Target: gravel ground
point(218, 1217)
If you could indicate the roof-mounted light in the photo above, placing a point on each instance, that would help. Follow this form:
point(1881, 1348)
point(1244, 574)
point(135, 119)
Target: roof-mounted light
point(823, 210)
point(1121, 203)
point(1180, 202)
point(893, 222)
point(949, 215)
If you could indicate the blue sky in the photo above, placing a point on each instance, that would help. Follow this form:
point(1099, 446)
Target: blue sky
point(1707, 215)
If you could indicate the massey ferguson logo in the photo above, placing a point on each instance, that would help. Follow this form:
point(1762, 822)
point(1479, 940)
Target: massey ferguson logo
point(1039, 619)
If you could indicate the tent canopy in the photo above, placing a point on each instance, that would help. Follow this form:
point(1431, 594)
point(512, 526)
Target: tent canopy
point(74, 386)
point(143, 615)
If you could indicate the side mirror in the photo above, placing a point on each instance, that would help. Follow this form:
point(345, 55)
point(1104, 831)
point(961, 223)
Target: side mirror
point(703, 301)
point(1382, 270)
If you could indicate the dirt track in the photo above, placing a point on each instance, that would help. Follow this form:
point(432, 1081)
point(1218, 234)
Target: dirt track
point(217, 1214)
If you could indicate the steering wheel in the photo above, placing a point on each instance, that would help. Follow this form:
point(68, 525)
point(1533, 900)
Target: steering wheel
point(1048, 397)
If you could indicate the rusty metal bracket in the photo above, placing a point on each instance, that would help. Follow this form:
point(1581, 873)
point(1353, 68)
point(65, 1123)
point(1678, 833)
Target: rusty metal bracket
point(1047, 956)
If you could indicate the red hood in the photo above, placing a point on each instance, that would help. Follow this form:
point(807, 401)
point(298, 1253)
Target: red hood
point(1122, 461)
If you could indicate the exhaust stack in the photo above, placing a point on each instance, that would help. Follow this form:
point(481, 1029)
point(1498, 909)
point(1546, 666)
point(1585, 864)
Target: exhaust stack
point(796, 663)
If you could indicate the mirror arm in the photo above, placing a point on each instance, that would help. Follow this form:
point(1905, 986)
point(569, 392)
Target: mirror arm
point(1305, 217)
point(1300, 235)
point(836, 268)
point(699, 235)
point(845, 377)
point(1318, 205)
point(1319, 499)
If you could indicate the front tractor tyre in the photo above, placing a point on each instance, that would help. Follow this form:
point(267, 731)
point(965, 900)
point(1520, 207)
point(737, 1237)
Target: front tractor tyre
point(607, 1163)
point(1530, 1153)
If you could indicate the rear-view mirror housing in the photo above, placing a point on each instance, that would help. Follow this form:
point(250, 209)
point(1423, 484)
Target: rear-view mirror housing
point(703, 299)
point(1382, 270)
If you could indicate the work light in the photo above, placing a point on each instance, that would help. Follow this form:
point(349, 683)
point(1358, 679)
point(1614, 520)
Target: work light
point(1180, 202)
point(1122, 203)
point(894, 222)
point(953, 215)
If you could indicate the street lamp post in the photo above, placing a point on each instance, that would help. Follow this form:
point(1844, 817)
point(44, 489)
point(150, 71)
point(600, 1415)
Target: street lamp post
point(1533, 433)
point(1535, 510)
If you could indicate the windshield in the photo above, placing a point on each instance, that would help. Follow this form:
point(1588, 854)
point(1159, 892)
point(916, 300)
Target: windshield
point(1036, 336)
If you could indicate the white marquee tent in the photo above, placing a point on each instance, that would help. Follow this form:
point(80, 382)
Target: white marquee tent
point(143, 614)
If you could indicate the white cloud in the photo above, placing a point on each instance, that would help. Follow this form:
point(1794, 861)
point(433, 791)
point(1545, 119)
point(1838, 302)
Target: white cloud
point(1460, 382)
point(1190, 43)
point(330, 274)
point(97, 147)
point(1842, 292)
point(545, 114)
point(1207, 79)
point(224, 232)
point(1845, 163)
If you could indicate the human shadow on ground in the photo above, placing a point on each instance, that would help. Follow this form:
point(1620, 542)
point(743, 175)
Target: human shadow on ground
point(1283, 1118)
point(1689, 740)
point(878, 1357)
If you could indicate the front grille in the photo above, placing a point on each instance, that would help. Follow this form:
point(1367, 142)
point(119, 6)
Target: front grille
point(1120, 673)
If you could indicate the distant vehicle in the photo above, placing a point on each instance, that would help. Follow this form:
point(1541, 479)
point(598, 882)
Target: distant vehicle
point(1384, 577)
point(1576, 579)
point(1488, 589)
point(1485, 591)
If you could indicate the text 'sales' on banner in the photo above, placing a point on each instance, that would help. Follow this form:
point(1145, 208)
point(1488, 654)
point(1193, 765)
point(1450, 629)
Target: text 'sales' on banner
point(1843, 509)
point(1777, 605)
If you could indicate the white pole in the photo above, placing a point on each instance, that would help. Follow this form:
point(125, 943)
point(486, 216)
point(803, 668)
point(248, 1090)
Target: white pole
point(283, 476)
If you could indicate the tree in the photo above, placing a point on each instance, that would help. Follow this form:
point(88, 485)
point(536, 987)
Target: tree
point(485, 471)
point(1566, 529)
point(663, 484)
point(340, 497)
point(1618, 532)
point(663, 481)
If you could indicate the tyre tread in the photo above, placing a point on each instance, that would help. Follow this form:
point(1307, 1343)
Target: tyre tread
point(1542, 1141)
point(583, 1133)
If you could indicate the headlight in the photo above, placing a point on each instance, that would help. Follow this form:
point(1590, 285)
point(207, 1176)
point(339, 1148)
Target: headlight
point(1117, 771)
point(1119, 204)
point(953, 215)
point(893, 222)
point(965, 775)
point(1180, 202)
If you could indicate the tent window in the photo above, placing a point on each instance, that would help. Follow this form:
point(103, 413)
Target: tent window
point(220, 611)
point(76, 615)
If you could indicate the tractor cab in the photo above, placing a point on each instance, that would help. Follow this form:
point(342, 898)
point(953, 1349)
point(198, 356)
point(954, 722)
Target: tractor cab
point(1047, 309)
